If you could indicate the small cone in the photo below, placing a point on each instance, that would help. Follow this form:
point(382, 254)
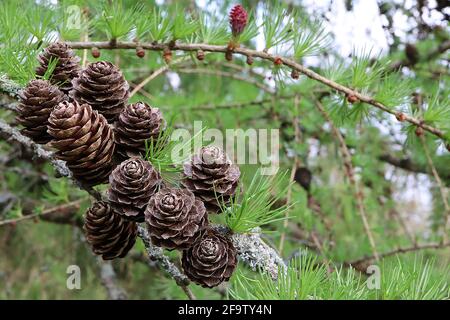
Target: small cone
point(36, 103)
point(84, 140)
point(211, 260)
point(137, 123)
point(103, 87)
point(212, 177)
point(175, 218)
point(108, 234)
point(67, 66)
point(132, 184)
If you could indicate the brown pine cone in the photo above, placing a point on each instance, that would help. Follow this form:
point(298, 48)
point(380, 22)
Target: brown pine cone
point(412, 53)
point(211, 260)
point(36, 103)
point(84, 140)
point(132, 184)
point(137, 123)
point(303, 176)
point(175, 218)
point(103, 87)
point(67, 67)
point(212, 177)
point(108, 234)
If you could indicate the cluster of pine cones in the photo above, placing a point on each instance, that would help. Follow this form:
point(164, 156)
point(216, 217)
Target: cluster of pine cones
point(84, 115)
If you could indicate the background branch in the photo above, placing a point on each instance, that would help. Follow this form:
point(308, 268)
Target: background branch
point(109, 281)
point(366, 260)
point(71, 206)
point(220, 73)
point(238, 105)
point(442, 188)
point(59, 165)
point(295, 124)
point(359, 196)
point(156, 73)
point(442, 48)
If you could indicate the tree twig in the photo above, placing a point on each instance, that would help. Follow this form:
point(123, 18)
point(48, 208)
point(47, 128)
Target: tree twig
point(442, 48)
point(156, 73)
point(109, 281)
point(295, 123)
point(319, 247)
point(220, 73)
point(258, 255)
point(403, 225)
point(238, 105)
point(239, 68)
point(406, 164)
point(188, 47)
point(397, 251)
point(8, 86)
point(74, 204)
point(442, 188)
point(157, 254)
point(12, 106)
point(347, 158)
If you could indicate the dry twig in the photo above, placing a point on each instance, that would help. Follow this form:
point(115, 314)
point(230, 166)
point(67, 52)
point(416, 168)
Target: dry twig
point(295, 123)
point(347, 158)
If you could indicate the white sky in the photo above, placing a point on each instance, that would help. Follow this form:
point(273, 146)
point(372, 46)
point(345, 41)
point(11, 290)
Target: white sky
point(360, 28)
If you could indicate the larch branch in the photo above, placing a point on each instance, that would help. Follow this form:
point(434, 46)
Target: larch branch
point(157, 73)
point(188, 47)
point(157, 254)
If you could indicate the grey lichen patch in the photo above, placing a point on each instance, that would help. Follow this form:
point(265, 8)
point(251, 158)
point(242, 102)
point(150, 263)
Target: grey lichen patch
point(157, 254)
point(8, 86)
point(257, 254)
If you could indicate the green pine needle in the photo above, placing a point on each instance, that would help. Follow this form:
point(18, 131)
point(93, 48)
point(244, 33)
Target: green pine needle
point(160, 25)
point(306, 278)
point(160, 152)
point(211, 30)
point(50, 68)
point(278, 26)
point(301, 280)
point(18, 62)
point(251, 31)
point(256, 207)
point(365, 69)
point(393, 91)
point(437, 110)
point(183, 25)
point(117, 20)
point(39, 21)
point(413, 281)
point(310, 39)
